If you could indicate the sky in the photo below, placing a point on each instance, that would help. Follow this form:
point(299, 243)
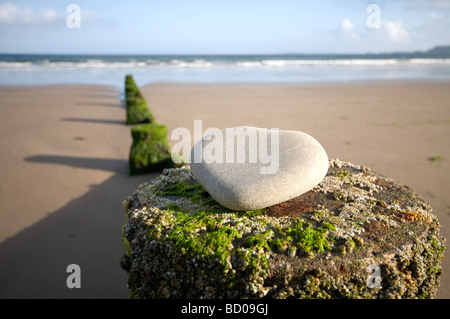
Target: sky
point(223, 26)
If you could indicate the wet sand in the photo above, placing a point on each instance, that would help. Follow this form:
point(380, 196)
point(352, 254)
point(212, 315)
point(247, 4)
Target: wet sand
point(64, 170)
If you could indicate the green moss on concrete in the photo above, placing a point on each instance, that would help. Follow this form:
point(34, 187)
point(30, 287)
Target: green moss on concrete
point(435, 158)
point(150, 150)
point(131, 91)
point(215, 242)
point(129, 79)
point(230, 244)
point(260, 240)
point(342, 173)
point(138, 112)
point(184, 245)
point(146, 132)
point(195, 192)
point(305, 239)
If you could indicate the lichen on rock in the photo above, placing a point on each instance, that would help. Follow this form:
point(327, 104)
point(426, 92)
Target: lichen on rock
point(180, 243)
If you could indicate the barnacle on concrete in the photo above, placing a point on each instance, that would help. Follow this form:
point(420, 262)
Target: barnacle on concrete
point(180, 243)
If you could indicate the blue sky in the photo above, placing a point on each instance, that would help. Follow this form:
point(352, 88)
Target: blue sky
point(222, 26)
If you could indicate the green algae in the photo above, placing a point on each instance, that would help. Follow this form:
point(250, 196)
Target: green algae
point(216, 241)
point(310, 239)
point(185, 245)
point(214, 235)
point(342, 173)
point(260, 240)
point(150, 150)
point(137, 110)
point(344, 197)
point(129, 80)
point(201, 232)
point(196, 193)
point(435, 158)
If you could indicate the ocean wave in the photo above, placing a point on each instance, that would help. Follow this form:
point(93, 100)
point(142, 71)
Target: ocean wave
point(214, 63)
point(429, 61)
point(335, 62)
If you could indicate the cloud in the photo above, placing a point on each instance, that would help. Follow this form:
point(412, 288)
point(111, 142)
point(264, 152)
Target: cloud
point(11, 14)
point(347, 25)
point(347, 30)
point(395, 31)
point(392, 35)
point(440, 4)
point(389, 31)
point(426, 4)
point(14, 16)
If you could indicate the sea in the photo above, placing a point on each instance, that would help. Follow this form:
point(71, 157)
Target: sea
point(43, 69)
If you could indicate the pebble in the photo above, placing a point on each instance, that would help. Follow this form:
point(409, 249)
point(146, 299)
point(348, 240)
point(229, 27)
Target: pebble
point(247, 168)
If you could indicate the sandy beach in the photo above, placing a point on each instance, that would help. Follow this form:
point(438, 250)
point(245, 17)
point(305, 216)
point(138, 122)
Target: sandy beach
point(64, 169)
point(64, 174)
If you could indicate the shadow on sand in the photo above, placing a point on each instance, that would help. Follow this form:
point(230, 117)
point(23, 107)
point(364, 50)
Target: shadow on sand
point(73, 119)
point(111, 165)
point(86, 231)
point(102, 104)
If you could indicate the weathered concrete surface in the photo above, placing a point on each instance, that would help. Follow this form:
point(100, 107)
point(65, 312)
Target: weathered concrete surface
point(323, 244)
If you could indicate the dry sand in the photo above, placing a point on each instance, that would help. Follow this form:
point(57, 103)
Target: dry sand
point(63, 176)
point(64, 150)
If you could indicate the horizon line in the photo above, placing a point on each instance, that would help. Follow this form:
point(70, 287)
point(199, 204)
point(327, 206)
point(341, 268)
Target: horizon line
point(232, 54)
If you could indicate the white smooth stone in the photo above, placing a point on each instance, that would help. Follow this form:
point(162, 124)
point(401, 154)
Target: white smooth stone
point(296, 165)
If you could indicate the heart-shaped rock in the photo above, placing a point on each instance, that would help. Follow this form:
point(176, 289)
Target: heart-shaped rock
point(246, 168)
